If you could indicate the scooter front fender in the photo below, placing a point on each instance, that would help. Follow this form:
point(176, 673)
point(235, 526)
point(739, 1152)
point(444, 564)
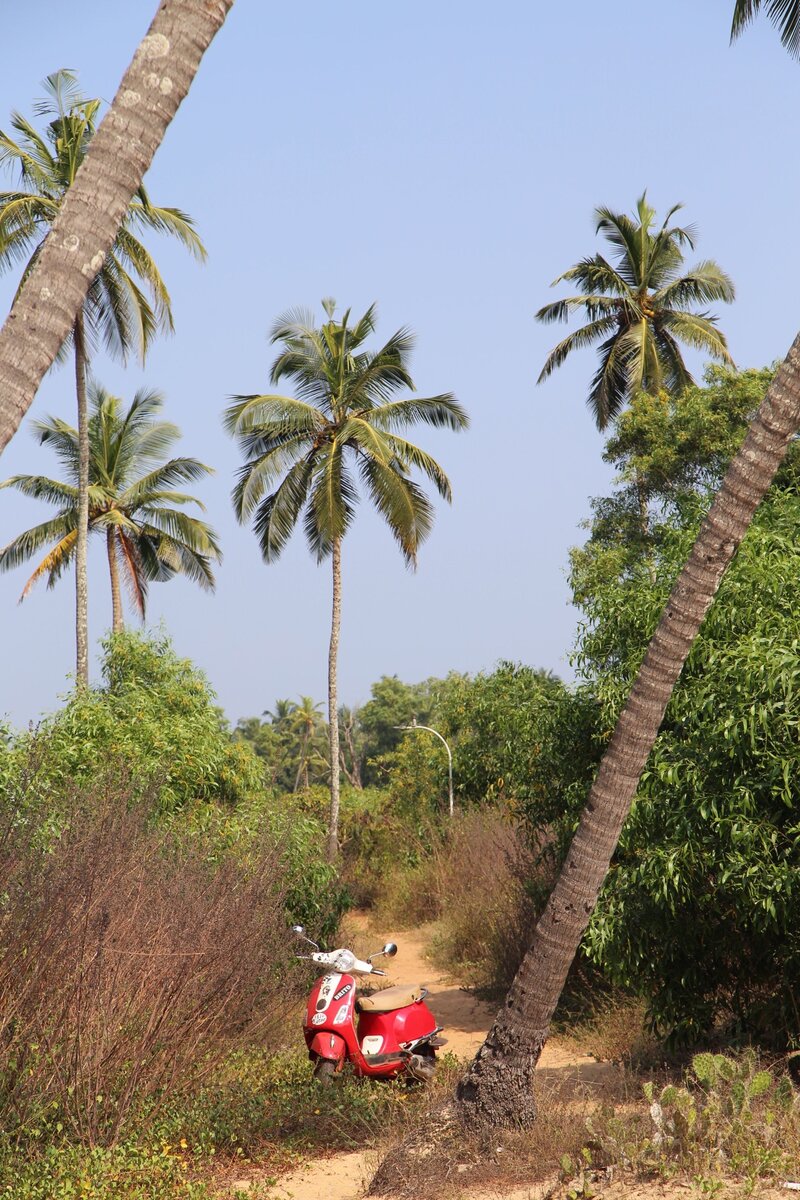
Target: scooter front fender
point(327, 1045)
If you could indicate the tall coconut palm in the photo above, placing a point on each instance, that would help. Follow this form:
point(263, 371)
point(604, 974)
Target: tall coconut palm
point(116, 309)
point(785, 14)
point(638, 309)
point(302, 454)
point(132, 502)
point(150, 92)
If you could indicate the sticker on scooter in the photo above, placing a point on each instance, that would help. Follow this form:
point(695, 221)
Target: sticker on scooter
point(342, 1015)
point(328, 986)
point(318, 1019)
point(343, 991)
point(372, 1044)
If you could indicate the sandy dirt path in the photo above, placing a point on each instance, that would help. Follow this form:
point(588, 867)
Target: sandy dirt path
point(466, 1021)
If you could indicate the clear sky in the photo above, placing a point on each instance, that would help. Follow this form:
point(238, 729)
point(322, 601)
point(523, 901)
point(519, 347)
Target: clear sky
point(443, 160)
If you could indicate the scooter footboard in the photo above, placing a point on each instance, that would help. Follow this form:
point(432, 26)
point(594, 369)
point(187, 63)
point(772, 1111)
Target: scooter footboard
point(327, 1045)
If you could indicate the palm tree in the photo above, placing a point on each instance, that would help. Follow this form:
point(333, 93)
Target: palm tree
point(785, 14)
point(152, 88)
point(638, 307)
point(308, 724)
point(132, 502)
point(301, 452)
point(115, 309)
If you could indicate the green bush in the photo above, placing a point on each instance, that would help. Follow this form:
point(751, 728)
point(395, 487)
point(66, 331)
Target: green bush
point(154, 720)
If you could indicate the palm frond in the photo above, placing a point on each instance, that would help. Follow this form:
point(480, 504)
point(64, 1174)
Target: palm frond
point(332, 503)
point(584, 336)
point(39, 487)
point(704, 283)
point(404, 506)
point(272, 415)
point(441, 412)
point(277, 515)
point(32, 540)
point(409, 455)
point(172, 221)
point(177, 470)
point(609, 388)
point(784, 15)
point(698, 330)
point(266, 462)
point(134, 571)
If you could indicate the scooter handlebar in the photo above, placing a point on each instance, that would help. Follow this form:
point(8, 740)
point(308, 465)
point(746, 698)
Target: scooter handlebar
point(345, 961)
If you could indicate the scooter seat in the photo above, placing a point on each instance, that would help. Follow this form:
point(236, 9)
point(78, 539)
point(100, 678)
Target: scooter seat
point(390, 998)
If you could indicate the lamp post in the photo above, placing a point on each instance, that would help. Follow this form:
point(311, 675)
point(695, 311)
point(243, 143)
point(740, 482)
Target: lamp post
point(436, 733)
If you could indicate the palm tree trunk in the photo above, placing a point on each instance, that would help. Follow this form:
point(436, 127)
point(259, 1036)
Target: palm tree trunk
point(148, 97)
point(117, 621)
point(82, 540)
point(333, 703)
point(498, 1086)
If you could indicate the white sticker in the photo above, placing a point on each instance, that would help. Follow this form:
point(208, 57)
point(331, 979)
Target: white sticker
point(372, 1045)
point(341, 1015)
point(318, 1019)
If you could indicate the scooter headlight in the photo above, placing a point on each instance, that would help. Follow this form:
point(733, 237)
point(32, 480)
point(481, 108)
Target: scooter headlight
point(345, 960)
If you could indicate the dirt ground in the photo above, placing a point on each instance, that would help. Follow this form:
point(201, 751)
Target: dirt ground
point(466, 1021)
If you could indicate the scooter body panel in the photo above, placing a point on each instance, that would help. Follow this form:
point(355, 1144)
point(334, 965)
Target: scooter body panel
point(396, 1028)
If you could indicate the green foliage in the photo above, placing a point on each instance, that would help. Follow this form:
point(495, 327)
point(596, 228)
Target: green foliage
point(701, 909)
point(521, 738)
point(729, 1117)
point(133, 1171)
point(154, 719)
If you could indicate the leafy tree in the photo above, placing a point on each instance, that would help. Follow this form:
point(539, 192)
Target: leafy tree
point(115, 308)
point(393, 703)
point(131, 501)
point(151, 90)
point(153, 718)
point(701, 909)
point(640, 306)
point(300, 453)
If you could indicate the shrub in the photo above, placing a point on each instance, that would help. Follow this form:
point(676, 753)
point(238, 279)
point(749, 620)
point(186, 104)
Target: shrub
point(155, 719)
point(129, 965)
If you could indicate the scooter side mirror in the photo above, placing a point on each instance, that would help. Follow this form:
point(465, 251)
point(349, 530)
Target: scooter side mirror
point(300, 930)
point(390, 949)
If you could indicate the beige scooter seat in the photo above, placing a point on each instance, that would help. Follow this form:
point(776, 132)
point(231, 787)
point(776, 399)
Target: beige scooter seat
point(390, 998)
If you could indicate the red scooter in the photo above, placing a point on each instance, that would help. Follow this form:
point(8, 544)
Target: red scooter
point(396, 1032)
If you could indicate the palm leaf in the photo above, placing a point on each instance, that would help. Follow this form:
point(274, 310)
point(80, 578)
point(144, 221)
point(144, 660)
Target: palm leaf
point(784, 15)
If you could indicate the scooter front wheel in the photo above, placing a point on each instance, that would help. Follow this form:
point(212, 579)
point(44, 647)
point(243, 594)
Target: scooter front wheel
point(324, 1071)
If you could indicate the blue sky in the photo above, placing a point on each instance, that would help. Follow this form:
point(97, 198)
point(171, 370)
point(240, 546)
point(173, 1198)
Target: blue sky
point(445, 162)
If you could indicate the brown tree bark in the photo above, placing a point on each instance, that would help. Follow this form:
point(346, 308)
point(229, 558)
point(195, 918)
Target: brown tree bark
point(82, 531)
point(117, 620)
point(333, 704)
point(497, 1089)
point(149, 95)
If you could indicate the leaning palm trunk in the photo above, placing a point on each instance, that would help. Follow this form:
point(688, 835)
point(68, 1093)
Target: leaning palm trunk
point(82, 531)
point(151, 90)
point(333, 703)
point(497, 1089)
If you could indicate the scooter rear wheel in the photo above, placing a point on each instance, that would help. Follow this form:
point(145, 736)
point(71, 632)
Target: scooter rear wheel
point(324, 1071)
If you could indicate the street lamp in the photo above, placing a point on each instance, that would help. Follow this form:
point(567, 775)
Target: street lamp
point(436, 733)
